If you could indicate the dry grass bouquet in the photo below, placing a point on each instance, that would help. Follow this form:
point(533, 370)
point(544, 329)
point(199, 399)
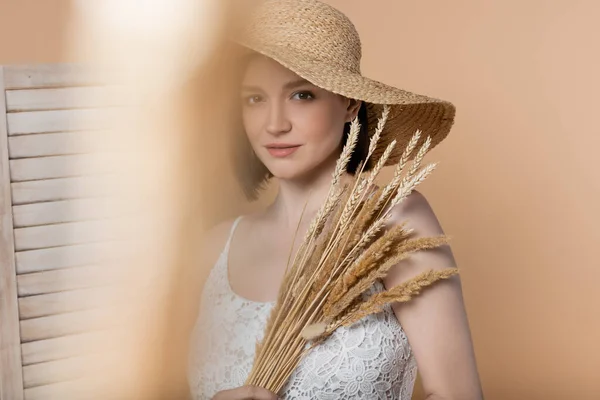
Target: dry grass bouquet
point(347, 248)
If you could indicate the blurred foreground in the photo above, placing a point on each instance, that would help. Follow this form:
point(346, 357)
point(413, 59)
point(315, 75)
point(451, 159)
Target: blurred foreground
point(116, 167)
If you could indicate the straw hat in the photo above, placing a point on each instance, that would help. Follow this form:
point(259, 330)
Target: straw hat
point(321, 45)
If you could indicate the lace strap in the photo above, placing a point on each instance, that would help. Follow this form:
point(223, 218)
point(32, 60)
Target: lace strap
point(231, 230)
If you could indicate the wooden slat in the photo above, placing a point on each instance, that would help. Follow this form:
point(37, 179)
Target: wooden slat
point(65, 324)
point(60, 189)
point(44, 305)
point(62, 279)
point(63, 370)
point(64, 98)
point(95, 388)
point(51, 75)
point(11, 386)
point(28, 169)
point(69, 390)
point(69, 346)
point(39, 237)
point(53, 212)
point(65, 257)
point(21, 123)
point(61, 143)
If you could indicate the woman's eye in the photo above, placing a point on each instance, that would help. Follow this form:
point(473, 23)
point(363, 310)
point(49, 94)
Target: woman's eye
point(303, 96)
point(253, 99)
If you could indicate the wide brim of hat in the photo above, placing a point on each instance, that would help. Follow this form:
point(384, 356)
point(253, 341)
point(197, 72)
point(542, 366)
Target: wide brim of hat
point(409, 111)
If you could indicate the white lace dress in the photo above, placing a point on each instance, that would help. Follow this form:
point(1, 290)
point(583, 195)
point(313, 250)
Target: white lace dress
point(371, 359)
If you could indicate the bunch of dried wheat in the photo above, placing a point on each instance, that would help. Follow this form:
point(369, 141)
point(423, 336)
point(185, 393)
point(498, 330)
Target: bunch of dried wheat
point(347, 248)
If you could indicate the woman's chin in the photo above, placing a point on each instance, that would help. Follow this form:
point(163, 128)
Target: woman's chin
point(288, 174)
point(295, 171)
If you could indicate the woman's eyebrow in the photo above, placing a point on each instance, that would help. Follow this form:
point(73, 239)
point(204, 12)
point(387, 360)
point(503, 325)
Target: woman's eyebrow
point(295, 83)
point(287, 86)
point(250, 88)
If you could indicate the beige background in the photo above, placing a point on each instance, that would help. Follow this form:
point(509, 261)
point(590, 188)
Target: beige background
point(518, 183)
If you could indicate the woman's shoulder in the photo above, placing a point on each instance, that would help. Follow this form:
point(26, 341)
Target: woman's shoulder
point(215, 237)
point(416, 210)
point(419, 216)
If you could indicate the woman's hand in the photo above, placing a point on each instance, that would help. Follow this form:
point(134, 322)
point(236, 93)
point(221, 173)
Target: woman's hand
point(248, 392)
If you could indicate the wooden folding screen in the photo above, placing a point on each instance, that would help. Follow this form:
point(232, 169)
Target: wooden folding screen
point(51, 227)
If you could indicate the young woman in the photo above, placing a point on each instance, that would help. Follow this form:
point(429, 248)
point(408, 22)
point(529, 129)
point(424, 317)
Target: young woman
point(300, 89)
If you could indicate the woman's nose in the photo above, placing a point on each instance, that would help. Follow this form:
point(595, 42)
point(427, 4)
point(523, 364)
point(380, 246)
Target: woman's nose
point(277, 122)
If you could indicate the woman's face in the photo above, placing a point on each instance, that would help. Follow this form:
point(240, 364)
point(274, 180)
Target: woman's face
point(293, 126)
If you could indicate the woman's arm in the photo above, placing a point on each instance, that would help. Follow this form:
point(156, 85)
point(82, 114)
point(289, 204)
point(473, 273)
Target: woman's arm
point(435, 321)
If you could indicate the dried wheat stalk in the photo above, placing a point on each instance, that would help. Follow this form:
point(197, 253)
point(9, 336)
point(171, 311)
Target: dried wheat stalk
point(347, 248)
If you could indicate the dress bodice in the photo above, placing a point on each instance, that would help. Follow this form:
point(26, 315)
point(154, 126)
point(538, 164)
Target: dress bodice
point(371, 359)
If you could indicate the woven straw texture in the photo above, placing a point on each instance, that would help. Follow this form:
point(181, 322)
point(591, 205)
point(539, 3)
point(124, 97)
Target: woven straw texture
point(321, 45)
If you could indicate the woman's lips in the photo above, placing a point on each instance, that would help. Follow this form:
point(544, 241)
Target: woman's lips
point(282, 150)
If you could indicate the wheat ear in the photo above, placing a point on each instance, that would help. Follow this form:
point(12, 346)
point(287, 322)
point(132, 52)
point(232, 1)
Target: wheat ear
point(400, 293)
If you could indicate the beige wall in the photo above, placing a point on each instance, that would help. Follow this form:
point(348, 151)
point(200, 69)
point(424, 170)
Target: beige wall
point(518, 183)
point(32, 30)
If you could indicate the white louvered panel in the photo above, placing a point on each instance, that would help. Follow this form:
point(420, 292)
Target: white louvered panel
point(44, 305)
point(64, 257)
point(69, 390)
point(53, 212)
point(64, 370)
point(58, 124)
point(70, 346)
point(61, 189)
point(98, 387)
point(66, 324)
point(60, 143)
point(63, 279)
point(37, 168)
point(51, 75)
point(11, 380)
point(39, 237)
point(20, 123)
point(64, 98)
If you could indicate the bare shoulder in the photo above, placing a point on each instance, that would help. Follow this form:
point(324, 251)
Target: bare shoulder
point(418, 214)
point(213, 240)
point(435, 322)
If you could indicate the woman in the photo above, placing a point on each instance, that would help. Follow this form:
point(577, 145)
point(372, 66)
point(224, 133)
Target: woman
point(300, 89)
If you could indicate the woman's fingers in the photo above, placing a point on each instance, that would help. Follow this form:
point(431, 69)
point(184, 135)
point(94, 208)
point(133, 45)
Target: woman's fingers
point(248, 392)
